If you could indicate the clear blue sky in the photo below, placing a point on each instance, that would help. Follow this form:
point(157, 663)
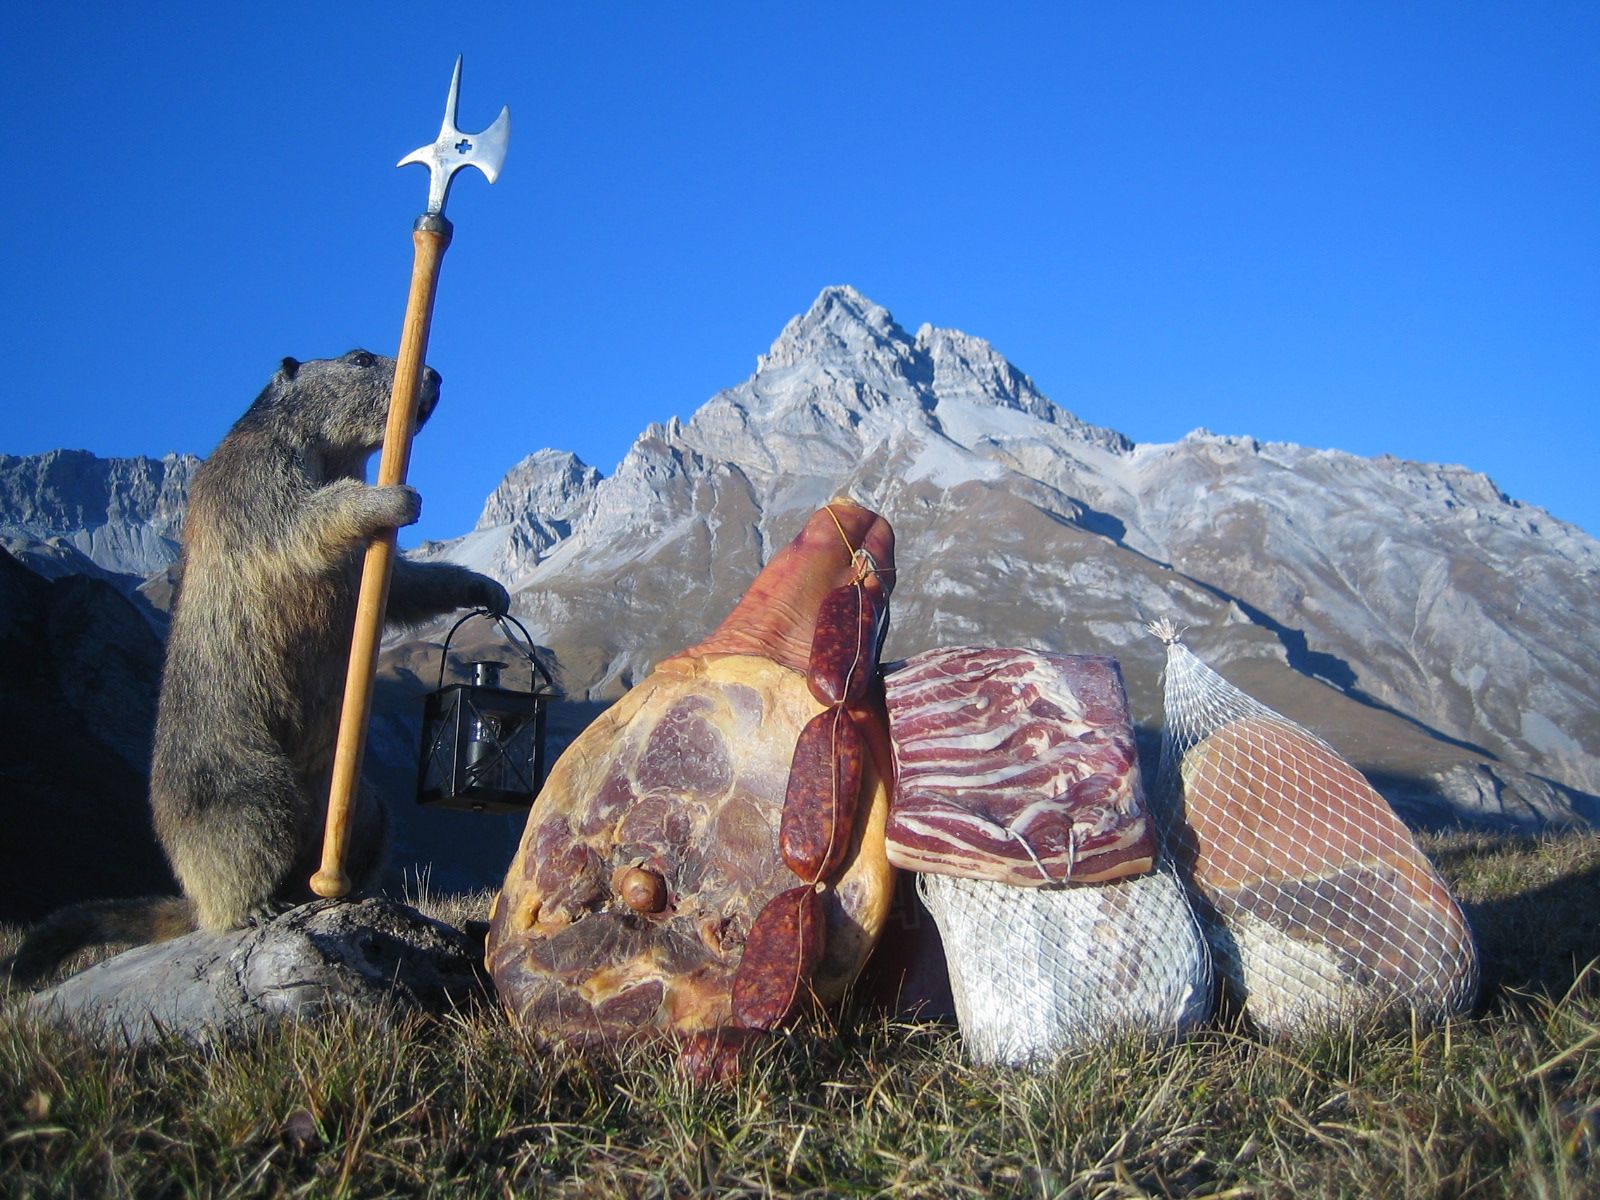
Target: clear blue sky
point(1374, 227)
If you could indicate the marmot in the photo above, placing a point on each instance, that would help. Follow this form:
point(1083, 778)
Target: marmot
point(279, 518)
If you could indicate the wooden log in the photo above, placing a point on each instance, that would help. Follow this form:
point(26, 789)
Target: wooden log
point(375, 957)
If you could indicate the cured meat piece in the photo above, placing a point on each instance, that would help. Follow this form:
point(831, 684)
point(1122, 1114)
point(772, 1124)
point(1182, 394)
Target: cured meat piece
point(774, 974)
point(1043, 971)
point(819, 808)
point(1015, 766)
point(844, 649)
point(1329, 905)
point(1319, 904)
point(653, 847)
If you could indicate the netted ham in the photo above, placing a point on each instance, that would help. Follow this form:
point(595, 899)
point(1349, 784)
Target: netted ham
point(1319, 905)
point(1015, 766)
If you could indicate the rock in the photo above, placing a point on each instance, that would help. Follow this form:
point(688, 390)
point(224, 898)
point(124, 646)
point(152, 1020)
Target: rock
point(77, 710)
point(372, 956)
point(123, 514)
point(1502, 797)
point(532, 511)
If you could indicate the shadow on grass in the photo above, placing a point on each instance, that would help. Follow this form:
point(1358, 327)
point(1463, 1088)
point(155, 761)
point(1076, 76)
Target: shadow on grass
point(1534, 905)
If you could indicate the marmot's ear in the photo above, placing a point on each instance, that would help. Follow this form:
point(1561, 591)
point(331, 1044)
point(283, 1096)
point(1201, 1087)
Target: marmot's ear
point(288, 367)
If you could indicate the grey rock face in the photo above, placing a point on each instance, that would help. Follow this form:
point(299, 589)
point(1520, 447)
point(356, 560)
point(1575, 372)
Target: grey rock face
point(533, 509)
point(1506, 798)
point(122, 514)
point(1419, 586)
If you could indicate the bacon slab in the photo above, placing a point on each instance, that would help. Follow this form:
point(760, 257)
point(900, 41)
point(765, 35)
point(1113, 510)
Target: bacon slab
point(1015, 766)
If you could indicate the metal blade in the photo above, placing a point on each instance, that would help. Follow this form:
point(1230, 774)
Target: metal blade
point(454, 149)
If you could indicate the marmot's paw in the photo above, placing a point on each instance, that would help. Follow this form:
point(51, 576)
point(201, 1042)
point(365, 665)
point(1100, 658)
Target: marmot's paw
point(399, 503)
point(488, 593)
point(265, 913)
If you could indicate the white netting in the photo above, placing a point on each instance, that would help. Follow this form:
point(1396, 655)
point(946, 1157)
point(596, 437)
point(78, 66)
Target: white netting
point(1039, 971)
point(1318, 904)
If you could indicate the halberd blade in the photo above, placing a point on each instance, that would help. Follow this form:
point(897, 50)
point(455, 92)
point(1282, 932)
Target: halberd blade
point(454, 149)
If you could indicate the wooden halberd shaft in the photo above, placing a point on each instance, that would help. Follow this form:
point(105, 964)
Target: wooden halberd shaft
point(431, 238)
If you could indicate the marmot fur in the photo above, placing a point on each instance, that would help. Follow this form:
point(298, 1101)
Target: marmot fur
point(278, 521)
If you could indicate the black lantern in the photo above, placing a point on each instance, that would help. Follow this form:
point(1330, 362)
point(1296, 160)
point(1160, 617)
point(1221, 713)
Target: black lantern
point(483, 743)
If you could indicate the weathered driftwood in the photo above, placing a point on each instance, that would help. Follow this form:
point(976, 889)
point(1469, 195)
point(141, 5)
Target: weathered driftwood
point(373, 956)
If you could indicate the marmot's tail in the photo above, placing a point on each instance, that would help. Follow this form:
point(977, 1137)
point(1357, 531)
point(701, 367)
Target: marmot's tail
point(63, 933)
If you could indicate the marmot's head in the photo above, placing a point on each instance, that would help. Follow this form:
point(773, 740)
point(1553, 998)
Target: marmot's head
point(338, 405)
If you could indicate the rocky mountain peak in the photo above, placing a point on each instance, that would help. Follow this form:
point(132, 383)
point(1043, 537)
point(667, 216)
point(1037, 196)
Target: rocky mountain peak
point(841, 324)
point(553, 483)
point(968, 368)
point(845, 359)
point(1024, 525)
point(533, 510)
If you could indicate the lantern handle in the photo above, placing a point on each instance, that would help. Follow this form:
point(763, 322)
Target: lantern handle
point(501, 620)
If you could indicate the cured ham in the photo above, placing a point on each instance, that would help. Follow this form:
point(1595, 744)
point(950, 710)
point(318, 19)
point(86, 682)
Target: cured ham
point(650, 894)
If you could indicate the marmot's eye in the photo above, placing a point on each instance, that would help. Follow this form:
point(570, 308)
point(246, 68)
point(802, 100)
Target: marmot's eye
point(362, 359)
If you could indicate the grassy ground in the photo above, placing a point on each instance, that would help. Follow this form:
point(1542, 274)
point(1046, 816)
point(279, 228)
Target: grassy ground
point(1504, 1103)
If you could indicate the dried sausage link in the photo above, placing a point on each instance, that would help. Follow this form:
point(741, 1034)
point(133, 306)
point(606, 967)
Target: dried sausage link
point(844, 644)
point(837, 659)
point(819, 807)
point(780, 954)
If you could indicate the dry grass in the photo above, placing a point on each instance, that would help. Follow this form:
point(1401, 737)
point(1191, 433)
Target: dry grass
point(1504, 1103)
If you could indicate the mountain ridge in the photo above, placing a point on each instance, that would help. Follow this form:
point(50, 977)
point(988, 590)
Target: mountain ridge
point(1331, 560)
point(123, 515)
point(1408, 606)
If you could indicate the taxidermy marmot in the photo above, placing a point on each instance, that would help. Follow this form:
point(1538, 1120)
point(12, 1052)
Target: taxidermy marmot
point(277, 527)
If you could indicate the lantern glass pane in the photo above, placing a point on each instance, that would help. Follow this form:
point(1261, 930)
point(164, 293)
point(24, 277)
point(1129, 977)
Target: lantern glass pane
point(499, 749)
point(482, 748)
point(440, 719)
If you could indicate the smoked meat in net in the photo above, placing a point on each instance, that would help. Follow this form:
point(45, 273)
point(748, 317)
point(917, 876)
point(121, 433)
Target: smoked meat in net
point(1318, 904)
point(1039, 972)
point(1035, 971)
